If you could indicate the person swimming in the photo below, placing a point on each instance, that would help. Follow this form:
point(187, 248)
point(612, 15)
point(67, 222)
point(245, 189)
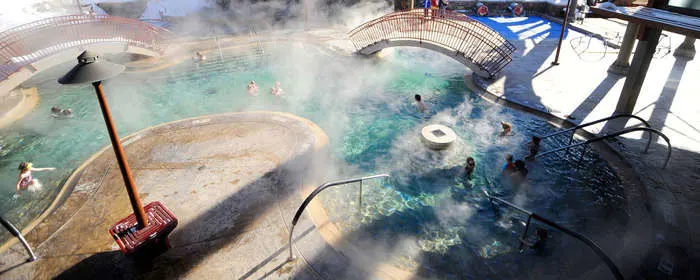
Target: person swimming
point(419, 103)
point(57, 112)
point(25, 180)
point(509, 166)
point(520, 173)
point(200, 57)
point(533, 147)
point(507, 129)
point(252, 88)
point(469, 167)
point(277, 90)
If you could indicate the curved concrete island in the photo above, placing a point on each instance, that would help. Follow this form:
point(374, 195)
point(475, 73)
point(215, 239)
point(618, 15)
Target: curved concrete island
point(232, 180)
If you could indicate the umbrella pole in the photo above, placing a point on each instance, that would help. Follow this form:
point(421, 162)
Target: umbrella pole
point(121, 158)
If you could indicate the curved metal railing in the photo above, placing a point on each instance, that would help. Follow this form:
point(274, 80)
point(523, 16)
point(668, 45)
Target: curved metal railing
point(600, 121)
point(478, 43)
point(617, 133)
point(28, 43)
point(16, 233)
point(611, 265)
point(318, 190)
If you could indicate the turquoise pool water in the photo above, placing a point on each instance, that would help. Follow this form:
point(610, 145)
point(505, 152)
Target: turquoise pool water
point(365, 107)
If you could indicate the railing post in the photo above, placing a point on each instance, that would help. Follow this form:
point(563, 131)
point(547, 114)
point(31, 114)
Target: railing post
point(527, 227)
point(359, 200)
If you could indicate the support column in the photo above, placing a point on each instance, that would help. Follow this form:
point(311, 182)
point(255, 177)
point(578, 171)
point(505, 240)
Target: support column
point(638, 70)
point(622, 65)
point(686, 49)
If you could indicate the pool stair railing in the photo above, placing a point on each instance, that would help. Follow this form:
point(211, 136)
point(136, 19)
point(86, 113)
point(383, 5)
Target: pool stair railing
point(16, 233)
point(646, 128)
point(318, 190)
point(531, 215)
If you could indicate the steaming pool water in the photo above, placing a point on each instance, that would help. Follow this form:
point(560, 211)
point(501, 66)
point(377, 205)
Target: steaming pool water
point(365, 106)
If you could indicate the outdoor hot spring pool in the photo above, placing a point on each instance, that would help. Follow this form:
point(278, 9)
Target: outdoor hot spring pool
point(365, 107)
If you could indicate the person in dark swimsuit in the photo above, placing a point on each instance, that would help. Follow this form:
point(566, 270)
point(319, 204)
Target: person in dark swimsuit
point(25, 180)
point(469, 168)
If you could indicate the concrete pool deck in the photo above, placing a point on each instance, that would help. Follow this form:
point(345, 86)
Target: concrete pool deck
point(580, 90)
point(258, 249)
point(232, 180)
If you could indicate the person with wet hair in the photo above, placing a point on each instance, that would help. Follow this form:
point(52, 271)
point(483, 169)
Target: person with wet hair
point(533, 147)
point(57, 112)
point(277, 90)
point(200, 57)
point(469, 167)
point(507, 129)
point(520, 172)
point(419, 103)
point(509, 166)
point(25, 180)
point(252, 88)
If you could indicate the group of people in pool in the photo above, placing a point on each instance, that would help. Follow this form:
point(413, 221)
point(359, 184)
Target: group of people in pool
point(275, 90)
point(517, 169)
point(57, 112)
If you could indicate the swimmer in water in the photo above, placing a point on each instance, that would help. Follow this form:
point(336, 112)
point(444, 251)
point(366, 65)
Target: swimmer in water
point(419, 103)
point(469, 168)
point(509, 166)
point(507, 129)
point(277, 90)
point(25, 180)
point(199, 56)
point(533, 147)
point(253, 88)
point(57, 112)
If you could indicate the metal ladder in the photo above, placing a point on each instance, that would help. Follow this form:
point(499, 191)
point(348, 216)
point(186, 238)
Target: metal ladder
point(16, 233)
point(318, 190)
point(647, 128)
point(530, 215)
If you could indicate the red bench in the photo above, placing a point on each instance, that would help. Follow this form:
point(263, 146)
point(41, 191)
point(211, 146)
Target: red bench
point(160, 223)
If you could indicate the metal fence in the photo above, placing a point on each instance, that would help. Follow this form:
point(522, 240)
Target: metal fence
point(465, 36)
point(24, 44)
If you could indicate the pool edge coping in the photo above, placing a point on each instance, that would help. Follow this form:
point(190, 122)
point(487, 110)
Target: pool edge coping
point(66, 189)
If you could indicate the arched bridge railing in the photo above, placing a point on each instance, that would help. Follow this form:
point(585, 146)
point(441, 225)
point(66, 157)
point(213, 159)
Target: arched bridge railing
point(25, 44)
point(471, 42)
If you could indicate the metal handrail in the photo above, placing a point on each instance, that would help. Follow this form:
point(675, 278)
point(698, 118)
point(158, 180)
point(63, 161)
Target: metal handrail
point(599, 121)
point(453, 31)
point(320, 189)
point(617, 133)
point(28, 43)
point(611, 265)
point(16, 233)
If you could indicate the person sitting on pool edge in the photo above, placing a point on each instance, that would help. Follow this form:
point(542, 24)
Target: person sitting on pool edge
point(253, 88)
point(507, 129)
point(533, 147)
point(509, 166)
point(419, 103)
point(25, 180)
point(469, 167)
point(539, 245)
